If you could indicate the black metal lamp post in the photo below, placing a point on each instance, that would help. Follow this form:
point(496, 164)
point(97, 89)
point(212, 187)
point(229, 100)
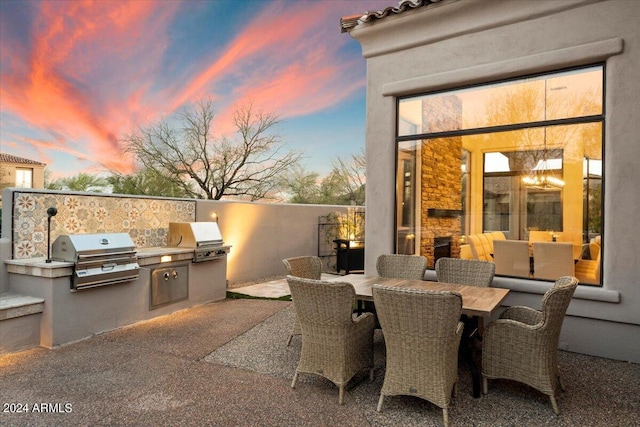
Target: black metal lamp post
point(50, 212)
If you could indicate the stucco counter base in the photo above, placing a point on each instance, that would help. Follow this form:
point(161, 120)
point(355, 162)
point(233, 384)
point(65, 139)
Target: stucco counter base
point(69, 316)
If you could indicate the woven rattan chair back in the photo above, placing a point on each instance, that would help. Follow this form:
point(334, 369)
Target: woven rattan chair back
point(523, 344)
point(401, 266)
point(422, 332)
point(334, 344)
point(554, 306)
point(322, 302)
point(309, 267)
point(470, 272)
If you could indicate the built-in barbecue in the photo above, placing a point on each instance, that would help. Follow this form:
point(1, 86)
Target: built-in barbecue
point(99, 259)
point(203, 237)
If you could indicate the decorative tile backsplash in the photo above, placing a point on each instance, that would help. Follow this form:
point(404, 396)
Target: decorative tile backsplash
point(145, 219)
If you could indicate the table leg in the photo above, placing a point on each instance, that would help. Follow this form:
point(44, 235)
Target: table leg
point(471, 351)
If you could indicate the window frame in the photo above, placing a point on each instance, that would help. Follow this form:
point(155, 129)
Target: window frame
point(592, 118)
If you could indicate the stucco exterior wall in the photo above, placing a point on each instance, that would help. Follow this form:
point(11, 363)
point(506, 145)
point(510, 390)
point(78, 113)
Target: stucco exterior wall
point(463, 42)
point(263, 234)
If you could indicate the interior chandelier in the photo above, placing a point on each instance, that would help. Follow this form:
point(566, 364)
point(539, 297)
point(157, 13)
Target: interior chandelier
point(542, 180)
point(541, 177)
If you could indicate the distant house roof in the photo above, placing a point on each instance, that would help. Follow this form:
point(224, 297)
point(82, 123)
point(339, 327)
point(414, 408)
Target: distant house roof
point(9, 158)
point(347, 23)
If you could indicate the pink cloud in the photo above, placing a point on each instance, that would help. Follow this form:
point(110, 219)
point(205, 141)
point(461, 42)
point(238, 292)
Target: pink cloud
point(268, 36)
point(92, 70)
point(71, 41)
point(300, 72)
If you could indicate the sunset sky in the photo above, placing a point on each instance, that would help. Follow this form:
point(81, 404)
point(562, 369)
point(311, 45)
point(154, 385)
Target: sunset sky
point(77, 75)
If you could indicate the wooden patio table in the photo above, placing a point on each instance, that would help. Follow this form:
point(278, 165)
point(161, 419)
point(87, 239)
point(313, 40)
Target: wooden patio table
point(476, 301)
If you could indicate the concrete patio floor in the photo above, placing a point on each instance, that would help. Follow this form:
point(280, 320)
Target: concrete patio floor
point(226, 364)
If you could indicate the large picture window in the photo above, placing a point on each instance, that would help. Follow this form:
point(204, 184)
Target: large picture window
point(517, 160)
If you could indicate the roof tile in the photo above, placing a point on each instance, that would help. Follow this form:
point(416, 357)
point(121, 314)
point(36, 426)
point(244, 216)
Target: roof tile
point(9, 158)
point(347, 23)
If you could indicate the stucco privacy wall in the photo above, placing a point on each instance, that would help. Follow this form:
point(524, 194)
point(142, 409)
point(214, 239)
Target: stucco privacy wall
point(263, 234)
point(462, 42)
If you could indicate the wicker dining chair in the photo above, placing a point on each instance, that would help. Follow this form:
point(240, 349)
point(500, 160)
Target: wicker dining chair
point(422, 332)
point(472, 272)
point(523, 344)
point(402, 266)
point(308, 267)
point(335, 344)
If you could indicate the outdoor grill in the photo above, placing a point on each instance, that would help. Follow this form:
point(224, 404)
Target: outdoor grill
point(100, 259)
point(203, 237)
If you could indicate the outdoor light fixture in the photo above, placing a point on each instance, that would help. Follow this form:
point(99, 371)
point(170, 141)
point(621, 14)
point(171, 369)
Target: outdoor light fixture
point(50, 212)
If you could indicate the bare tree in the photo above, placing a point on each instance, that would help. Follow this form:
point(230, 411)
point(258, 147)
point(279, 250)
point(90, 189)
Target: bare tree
point(349, 178)
point(206, 166)
point(302, 186)
point(344, 185)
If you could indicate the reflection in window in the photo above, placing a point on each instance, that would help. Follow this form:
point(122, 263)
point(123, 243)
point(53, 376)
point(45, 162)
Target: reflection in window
point(522, 157)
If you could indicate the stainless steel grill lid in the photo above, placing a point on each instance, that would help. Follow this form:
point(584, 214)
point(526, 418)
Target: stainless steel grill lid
point(100, 259)
point(203, 237)
point(194, 234)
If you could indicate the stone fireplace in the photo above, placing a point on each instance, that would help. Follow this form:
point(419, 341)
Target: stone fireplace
point(441, 203)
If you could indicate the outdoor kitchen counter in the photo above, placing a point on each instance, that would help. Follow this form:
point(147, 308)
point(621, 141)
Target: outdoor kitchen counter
point(67, 315)
point(163, 254)
point(38, 267)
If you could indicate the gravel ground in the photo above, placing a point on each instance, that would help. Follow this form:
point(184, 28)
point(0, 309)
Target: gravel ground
point(599, 392)
point(227, 364)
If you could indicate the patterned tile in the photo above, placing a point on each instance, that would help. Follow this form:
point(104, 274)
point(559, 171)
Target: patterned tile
point(146, 220)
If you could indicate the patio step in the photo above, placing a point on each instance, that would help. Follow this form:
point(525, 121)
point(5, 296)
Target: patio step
point(20, 321)
point(17, 305)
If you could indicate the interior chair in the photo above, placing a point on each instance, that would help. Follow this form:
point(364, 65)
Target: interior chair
point(522, 345)
point(552, 260)
point(498, 235)
point(487, 246)
point(335, 345)
point(540, 236)
point(511, 258)
point(308, 267)
point(588, 270)
point(594, 250)
point(477, 248)
point(402, 266)
point(422, 332)
point(465, 252)
point(487, 240)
